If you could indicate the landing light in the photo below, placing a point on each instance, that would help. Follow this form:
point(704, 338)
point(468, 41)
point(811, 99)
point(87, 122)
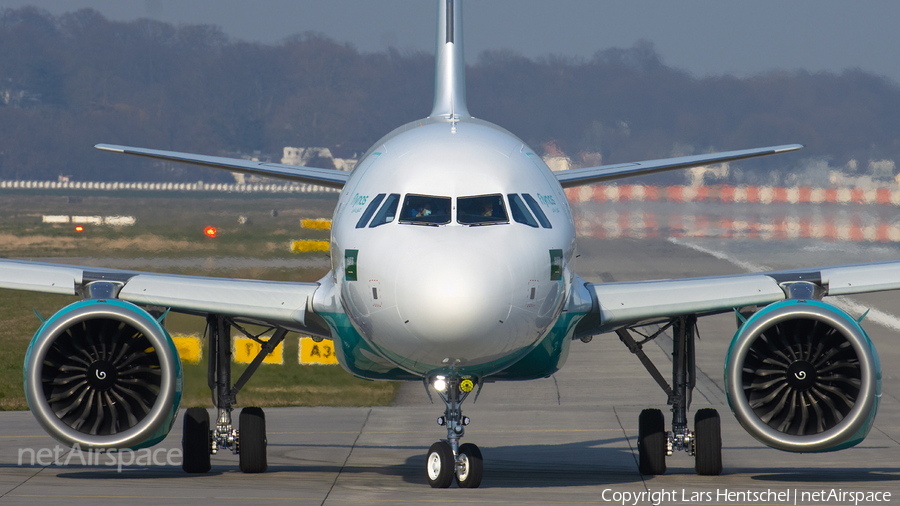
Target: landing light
point(440, 384)
point(210, 232)
point(79, 228)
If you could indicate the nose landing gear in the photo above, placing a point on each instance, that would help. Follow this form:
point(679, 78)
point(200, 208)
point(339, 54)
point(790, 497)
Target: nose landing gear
point(448, 459)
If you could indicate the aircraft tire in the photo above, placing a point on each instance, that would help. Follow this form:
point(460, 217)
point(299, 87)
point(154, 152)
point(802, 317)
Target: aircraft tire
point(470, 473)
point(651, 442)
point(707, 442)
point(195, 443)
point(440, 466)
point(252, 439)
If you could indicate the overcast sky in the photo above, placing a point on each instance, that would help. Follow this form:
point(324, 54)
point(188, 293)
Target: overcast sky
point(701, 36)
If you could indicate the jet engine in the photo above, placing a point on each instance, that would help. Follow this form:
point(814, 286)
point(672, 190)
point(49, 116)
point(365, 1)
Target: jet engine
point(103, 374)
point(803, 376)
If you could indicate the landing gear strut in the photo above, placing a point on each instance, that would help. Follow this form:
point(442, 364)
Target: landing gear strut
point(448, 459)
point(249, 439)
point(654, 443)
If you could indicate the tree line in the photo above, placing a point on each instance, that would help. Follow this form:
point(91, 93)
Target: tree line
point(68, 82)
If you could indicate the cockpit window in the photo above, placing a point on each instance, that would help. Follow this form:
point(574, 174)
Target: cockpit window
point(425, 210)
point(536, 208)
point(388, 211)
point(481, 210)
point(364, 219)
point(519, 212)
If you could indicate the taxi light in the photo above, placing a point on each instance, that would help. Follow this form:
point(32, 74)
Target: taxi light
point(440, 384)
point(79, 228)
point(210, 232)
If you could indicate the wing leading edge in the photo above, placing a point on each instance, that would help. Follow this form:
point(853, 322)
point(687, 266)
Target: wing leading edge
point(270, 302)
point(618, 305)
point(589, 175)
point(331, 178)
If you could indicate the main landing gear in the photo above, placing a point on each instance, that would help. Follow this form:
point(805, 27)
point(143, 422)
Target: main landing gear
point(654, 444)
point(448, 459)
point(248, 441)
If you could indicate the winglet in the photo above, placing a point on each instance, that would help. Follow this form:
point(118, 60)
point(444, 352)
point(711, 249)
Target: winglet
point(41, 318)
point(450, 63)
point(860, 319)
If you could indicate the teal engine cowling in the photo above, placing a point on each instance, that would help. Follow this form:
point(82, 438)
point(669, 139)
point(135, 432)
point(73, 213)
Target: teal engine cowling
point(103, 374)
point(803, 376)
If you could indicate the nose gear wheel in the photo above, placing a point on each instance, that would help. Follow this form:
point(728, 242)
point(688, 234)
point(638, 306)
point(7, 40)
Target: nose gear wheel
point(448, 459)
point(469, 466)
point(440, 465)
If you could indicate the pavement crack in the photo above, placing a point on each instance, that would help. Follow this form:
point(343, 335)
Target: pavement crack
point(341, 470)
point(631, 448)
point(887, 435)
point(39, 471)
point(558, 398)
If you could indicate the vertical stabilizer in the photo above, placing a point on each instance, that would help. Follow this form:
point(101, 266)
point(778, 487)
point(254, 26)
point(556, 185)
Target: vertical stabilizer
point(450, 63)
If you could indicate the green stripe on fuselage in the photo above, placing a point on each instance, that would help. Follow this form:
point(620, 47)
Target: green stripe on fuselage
point(359, 358)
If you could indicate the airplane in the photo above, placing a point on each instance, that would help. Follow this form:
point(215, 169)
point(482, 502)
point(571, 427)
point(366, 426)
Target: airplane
point(452, 264)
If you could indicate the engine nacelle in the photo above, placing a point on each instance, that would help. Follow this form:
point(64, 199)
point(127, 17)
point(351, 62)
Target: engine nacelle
point(803, 376)
point(103, 374)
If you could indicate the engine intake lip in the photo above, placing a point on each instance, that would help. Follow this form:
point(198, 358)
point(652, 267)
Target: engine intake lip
point(841, 432)
point(150, 427)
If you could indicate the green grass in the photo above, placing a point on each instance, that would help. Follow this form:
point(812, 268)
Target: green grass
point(165, 227)
point(172, 227)
point(18, 324)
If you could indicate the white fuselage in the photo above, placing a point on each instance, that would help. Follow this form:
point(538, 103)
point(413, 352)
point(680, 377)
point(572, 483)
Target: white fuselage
point(452, 294)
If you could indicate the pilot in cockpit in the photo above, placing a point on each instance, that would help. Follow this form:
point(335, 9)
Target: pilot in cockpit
point(423, 211)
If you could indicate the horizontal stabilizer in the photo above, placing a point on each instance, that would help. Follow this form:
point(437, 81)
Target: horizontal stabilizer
point(324, 177)
point(589, 175)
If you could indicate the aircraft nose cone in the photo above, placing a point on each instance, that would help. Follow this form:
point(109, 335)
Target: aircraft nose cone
point(453, 296)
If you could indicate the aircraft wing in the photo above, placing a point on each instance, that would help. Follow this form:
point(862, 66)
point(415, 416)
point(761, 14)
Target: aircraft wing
point(325, 177)
point(626, 304)
point(266, 302)
point(589, 175)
